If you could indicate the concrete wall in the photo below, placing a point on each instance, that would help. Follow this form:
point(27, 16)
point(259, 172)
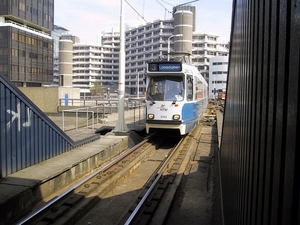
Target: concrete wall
point(47, 98)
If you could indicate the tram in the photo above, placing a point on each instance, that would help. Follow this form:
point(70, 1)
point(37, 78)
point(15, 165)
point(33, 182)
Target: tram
point(176, 96)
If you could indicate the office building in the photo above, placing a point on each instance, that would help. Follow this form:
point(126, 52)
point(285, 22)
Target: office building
point(57, 32)
point(217, 75)
point(26, 47)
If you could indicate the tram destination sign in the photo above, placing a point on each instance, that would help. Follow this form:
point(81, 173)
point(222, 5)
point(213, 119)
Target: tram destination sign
point(164, 67)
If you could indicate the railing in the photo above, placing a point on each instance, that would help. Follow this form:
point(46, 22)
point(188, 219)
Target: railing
point(92, 101)
point(26, 27)
point(95, 114)
point(76, 111)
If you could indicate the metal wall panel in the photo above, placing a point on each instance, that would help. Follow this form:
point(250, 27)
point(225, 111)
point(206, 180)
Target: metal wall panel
point(259, 152)
point(28, 136)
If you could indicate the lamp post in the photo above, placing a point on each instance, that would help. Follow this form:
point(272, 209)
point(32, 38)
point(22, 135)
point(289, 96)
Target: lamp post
point(138, 86)
point(108, 93)
point(121, 125)
point(175, 35)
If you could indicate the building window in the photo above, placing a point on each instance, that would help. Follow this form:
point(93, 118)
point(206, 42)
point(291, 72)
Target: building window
point(3, 68)
point(3, 51)
point(14, 52)
point(22, 6)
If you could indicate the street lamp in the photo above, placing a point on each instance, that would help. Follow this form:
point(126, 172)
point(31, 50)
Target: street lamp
point(108, 93)
point(175, 35)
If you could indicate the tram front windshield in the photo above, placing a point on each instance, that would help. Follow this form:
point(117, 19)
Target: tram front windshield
point(165, 88)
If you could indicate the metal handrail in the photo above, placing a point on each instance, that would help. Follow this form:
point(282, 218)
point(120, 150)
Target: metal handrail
point(92, 109)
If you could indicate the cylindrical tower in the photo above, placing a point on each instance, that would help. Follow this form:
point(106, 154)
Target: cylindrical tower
point(183, 24)
point(65, 62)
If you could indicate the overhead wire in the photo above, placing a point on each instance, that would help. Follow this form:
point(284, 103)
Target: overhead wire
point(136, 11)
point(164, 6)
point(167, 3)
point(142, 16)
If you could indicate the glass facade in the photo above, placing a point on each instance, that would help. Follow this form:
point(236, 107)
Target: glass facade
point(26, 47)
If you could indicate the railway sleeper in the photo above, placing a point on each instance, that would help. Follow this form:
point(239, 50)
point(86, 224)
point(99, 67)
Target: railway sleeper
point(71, 208)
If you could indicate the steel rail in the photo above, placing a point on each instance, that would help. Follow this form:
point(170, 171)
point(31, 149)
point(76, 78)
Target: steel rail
point(32, 215)
point(159, 175)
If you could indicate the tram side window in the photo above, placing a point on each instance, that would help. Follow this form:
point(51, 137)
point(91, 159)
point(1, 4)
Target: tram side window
point(199, 89)
point(189, 87)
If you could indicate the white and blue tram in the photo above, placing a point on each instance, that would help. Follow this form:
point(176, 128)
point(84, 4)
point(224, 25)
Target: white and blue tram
point(176, 97)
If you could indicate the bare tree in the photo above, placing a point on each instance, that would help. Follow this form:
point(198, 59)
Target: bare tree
point(97, 89)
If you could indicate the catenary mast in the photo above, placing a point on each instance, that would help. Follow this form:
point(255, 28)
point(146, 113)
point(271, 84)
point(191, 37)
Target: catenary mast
point(121, 125)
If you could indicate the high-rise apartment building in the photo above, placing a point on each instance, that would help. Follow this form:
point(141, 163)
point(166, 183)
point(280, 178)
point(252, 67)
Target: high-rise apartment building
point(205, 47)
point(217, 75)
point(95, 63)
point(144, 43)
point(90, 64)
point(150, 42)
point(26, 47)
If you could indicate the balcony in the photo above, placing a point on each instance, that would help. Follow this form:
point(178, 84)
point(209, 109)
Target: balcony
point(28, 29)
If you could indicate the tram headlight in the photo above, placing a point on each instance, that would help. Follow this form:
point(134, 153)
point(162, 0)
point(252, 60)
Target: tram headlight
point(150, 116)
point(176, 117)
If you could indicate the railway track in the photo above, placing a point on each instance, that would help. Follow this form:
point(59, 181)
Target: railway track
point(137, 187)
point(154, 203)
point(81, 194)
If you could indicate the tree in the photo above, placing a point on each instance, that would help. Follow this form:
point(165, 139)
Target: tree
point(96, 89)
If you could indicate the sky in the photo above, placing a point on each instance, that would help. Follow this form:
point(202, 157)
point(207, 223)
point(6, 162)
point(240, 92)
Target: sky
point(88, 18)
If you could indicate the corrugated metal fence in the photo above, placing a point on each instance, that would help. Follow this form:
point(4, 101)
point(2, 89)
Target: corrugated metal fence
point(28, 136)
point(260, 150)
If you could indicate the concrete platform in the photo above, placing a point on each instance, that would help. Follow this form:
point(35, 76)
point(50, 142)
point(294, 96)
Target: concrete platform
point(199, 196)
point(21, 191)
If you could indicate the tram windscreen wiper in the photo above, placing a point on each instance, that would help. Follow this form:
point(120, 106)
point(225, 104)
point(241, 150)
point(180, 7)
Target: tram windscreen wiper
point(152, 100)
